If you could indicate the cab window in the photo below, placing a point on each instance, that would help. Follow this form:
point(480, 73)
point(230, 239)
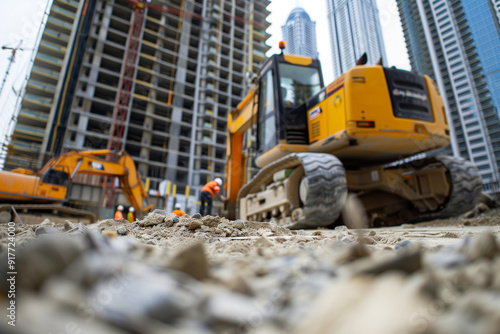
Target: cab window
point(298, 83)
point(266, 115)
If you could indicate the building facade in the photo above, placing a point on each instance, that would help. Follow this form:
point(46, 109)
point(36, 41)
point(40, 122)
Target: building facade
point(299, 34)
point(354, 27)
point(158, 82)
point(457, 43)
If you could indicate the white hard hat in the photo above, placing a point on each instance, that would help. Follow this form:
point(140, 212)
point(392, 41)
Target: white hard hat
point(178, 206)
point(131, 209)
point(218, 180)
point(120, 207)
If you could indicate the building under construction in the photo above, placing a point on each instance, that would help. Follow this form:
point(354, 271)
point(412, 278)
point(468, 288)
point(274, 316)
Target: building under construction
point(154, 78)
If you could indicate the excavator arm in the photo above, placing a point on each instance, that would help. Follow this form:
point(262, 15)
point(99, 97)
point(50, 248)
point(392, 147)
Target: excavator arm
point(239, 121)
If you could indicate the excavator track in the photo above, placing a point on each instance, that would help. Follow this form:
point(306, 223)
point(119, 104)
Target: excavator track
point(323, 192)
point(326, 188)
point(49, 208)
point(466, 187)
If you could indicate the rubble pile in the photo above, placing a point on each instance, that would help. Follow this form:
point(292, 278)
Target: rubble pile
point(211, 275)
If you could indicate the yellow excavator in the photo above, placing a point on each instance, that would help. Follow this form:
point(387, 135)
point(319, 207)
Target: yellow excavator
point(295, 148)
point(48, 189)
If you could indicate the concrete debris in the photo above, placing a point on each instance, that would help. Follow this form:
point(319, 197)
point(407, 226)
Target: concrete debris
point(192, 261)
point(165, 274)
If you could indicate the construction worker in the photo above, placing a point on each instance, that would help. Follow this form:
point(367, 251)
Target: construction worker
point(207, 194)
point(119, 212)
point(178, 210)
point(130, 214)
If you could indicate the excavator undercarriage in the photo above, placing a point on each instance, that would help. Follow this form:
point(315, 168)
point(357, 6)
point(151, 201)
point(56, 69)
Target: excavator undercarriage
point(308, 190)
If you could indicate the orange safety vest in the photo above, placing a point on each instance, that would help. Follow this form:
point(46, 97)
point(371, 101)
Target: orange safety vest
point(179, 212)
point(118, 214)
point(211, 187)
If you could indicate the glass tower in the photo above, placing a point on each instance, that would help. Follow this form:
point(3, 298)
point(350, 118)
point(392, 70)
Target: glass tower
point(354, 27)
point(457, 43)
point(299, 33)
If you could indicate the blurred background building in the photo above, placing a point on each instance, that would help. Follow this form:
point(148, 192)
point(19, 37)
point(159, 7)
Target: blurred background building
point(457, 43)
point(154, 78)
point(354, 27)
point(299, 34)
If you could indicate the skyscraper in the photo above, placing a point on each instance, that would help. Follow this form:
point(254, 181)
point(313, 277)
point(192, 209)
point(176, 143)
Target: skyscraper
point(457, 43)
point(157, 80)
point(299, 33)
point(354, 28)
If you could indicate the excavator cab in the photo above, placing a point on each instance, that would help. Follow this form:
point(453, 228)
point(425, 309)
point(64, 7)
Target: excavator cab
point(286, 84)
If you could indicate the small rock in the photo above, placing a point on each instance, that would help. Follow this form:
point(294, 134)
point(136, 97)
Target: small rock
point(232, 308)
point(479, 274)
point(317, 233)
point(194, 224)
point(239, 224)
point(47, 221)
point(122, 231)
point(353, 213)
point(192, 261)
point(160, 212)
point(469, 214)
point(372, 233)
point(447, 259)
point(407, 262)
point(488, 201)
point(152, 218)
point(367, 240)
point(481, 207)
point(196, 216)
point(239, 284)
point(482, 246)
point(341, 228)
point(404, 244)
point(46, 229)
point(68, 226)
point(263, 242)
point(157, 296)
point(201, 235)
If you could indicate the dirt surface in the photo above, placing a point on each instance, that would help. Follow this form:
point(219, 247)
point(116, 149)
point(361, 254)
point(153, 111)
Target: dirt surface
point(211, 275)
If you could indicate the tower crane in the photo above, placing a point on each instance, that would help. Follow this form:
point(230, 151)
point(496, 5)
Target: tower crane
point(11, 60)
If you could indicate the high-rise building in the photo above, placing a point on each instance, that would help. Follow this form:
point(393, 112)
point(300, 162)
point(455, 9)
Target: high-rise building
point(354, 28)
point(299, 34)
point(157, 80)
point(457, 43)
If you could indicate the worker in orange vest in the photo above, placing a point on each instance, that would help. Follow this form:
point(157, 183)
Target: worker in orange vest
point(119, 212)
point(178, 210)
point(130, 215)
point(207, 194)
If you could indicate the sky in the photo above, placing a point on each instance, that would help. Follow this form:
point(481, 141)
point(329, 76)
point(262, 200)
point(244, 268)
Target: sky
point(20, 20)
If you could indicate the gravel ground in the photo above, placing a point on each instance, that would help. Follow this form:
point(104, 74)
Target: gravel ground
point(165, 274)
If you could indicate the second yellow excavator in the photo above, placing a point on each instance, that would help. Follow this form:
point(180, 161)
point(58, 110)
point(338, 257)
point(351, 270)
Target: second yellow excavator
point(360, 134)
point(48, 189)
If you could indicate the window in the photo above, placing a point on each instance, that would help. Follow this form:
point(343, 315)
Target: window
point(298, 83)
point(267, 113)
